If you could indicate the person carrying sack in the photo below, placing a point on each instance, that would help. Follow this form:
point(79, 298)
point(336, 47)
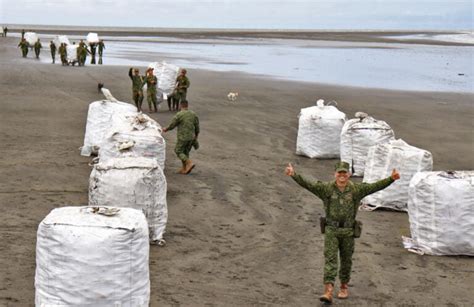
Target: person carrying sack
point(341, 199)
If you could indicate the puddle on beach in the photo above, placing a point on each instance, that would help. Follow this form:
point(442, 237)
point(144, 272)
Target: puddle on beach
point(370, 65)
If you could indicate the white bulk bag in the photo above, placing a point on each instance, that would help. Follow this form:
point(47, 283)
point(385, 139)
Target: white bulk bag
point(358, 135)
point(441, 213)
point(319, 131)
point(89, 256)
point(31, 38)
point(135, 183)
point(381, 160)
point(135, 135)
point(98, 122)
point(92, 38)
point(166, 75)
point(72, 52)
point(60, 39)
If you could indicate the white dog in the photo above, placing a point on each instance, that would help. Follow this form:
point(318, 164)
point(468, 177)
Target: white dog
point(232, 96)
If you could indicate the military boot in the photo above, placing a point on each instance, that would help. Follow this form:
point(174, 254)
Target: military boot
point(189, 166)
point(327, 296)
point(343, 292)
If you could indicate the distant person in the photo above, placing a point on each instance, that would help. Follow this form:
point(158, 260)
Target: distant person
point(182, 85)
point(137, 87)
point(101, 46)
point(151, 83)
point(82, 44)
point(52, 47)
point(5, 31)
point(38, 47)
point(188, 131)
point(83, 54)
point(93, 47)
point(341, 198)
point(24, 47)
point(63, 54)
point(22, 33)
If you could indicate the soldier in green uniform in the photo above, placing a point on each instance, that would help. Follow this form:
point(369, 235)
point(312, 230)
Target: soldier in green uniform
point(23, 45)
point(83, 55)
point(93, 47)
point(101, 46)
point(137, 87)
point(341, 199)
point(63, 53)
point(52, 47)
point(188, 131)
point(38, 47)
point(151, 83)
point(181, 88)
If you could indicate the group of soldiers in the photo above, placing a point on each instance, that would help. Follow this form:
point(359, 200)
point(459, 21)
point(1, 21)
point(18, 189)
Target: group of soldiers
point(185, 120)
point(174, 99)
point(81, 51)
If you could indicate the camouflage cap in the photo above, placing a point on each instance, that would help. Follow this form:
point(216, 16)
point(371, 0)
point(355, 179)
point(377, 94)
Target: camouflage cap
point(342, 167)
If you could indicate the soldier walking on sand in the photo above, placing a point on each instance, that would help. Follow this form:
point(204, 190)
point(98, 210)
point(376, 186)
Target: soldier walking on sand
point(341, 199)
point(52, 47)
point(63, 53)
point(101, 46)
point(23, 45)
point(38, 47)
point(137, 87)
point(188, 130)
point(151, 83)
point(182, 85)
point(5, 31)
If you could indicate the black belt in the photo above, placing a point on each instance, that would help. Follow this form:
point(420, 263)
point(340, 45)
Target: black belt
point(340, 224)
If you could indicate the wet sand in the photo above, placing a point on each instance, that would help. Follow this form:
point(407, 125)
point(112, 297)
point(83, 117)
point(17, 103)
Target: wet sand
point(240, 232)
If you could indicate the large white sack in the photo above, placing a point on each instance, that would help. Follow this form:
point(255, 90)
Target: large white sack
point(381, 160)
point(441, 213)
point(92, 38)
point(60, 39)
point(31, 38)
point(92, 259)
point(72, 52)
point(98, 122)
point(319, 131)
point(166, 75)
point(136, 135)
point(135, 183)
point(358, 135)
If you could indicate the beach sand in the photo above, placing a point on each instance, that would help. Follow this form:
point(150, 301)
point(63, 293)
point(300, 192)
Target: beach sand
point(240, 232)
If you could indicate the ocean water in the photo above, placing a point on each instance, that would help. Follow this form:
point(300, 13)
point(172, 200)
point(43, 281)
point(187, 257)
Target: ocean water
point(396, 66)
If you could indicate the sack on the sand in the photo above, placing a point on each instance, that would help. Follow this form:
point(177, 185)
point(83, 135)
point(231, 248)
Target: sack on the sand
point(92, 38)
point(358, 135)
point(98, 122)
point(135, 135)
point(441, 213)
point(31, 38)
point(135, 183)
point(381, 160)
point(89, 256)
point(60, 39)
point(166, 75)
point(319, 131)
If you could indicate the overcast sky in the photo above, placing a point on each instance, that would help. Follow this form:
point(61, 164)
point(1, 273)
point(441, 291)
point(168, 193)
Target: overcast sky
point(265, 14)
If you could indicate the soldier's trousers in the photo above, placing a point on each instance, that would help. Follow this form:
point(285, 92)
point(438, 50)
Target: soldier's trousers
point(338, 241)
point(183, 148)
point(180, 96)
point(53, 56)
point(151, 98)
point(138, 99)
point(24, 51)
point(37, 53)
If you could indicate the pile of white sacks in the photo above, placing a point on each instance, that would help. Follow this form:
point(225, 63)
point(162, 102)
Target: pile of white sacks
point(440, 204)
point(98, 255)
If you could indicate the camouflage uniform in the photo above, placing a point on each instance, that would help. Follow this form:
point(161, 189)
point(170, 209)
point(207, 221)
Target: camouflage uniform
point(182, 84)
point(93, 50)
point(38, 47)
point(63, 53)
point(137, 88)
point(188, 130)
point(83, 55)
point(24, 47)
point(151, 82)
point(52, 47)
point(340, 209)
point(101, 48)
